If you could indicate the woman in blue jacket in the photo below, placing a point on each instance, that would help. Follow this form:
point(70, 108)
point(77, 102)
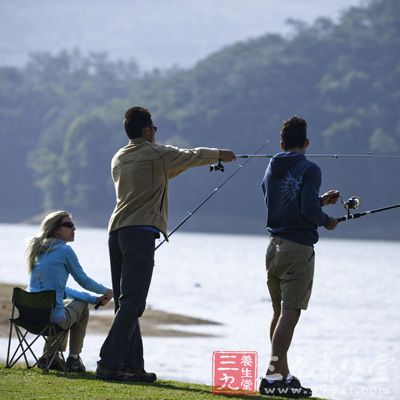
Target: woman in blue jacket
point(50, 262)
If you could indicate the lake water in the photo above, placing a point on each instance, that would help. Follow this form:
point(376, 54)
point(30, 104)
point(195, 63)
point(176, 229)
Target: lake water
point(346, 345)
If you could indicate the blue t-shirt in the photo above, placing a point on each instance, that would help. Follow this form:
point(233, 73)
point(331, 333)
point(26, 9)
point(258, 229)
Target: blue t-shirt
point(51, 271)
point(291, 191)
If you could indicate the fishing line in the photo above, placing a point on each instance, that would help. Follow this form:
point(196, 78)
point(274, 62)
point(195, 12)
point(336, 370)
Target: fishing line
point(217, 167)
point(369, 155)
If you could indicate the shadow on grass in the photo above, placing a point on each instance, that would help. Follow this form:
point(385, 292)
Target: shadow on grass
point(158, 384)
point(172, 386)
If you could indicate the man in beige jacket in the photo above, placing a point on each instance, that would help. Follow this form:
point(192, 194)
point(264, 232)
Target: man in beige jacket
point(140, 171)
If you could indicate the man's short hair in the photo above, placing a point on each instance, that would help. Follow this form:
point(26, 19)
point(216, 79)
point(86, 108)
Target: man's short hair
point(136, 119)
point(294, 132)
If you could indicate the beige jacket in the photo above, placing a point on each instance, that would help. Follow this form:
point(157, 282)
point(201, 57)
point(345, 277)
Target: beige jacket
point(141, 171)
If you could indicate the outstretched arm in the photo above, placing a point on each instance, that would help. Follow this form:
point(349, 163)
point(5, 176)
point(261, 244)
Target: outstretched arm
point(77, 272)
point(179, 160)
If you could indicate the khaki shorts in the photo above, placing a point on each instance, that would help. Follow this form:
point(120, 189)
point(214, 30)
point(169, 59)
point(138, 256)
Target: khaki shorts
point(290, 270)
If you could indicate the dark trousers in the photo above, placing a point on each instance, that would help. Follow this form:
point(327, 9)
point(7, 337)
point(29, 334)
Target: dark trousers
point(132, 261)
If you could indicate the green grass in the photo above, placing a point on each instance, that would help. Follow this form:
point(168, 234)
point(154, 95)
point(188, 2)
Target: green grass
point(29, 384)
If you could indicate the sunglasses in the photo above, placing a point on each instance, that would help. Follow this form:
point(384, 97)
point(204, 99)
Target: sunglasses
point(68, 224)
point(155, 128)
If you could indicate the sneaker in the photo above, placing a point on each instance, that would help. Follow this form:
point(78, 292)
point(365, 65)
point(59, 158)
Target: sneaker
point(281, 389)
point(139, 375)
point(109, 374)
point(58, 363)
point(75, 364)
point(275, 388)
point(296, 384)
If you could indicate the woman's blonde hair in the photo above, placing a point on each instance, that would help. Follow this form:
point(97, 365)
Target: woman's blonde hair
point(45, 238)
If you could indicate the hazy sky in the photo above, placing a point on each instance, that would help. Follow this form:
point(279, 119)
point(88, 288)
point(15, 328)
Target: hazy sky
point(156, 33)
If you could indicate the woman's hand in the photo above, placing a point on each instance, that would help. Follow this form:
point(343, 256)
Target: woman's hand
point(109, 294)
point(101, 301)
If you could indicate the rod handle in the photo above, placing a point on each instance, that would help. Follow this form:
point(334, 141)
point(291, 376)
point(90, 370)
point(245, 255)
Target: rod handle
point(351, 216)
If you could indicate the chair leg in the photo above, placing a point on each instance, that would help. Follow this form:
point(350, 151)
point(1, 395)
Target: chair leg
point(20, 347)
point(8, 361)
point(29, 347)
point(23, 341)
point(58, 342)
point(54, 347)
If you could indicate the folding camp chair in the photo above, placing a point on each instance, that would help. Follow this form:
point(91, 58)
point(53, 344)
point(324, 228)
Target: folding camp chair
point(34, 318)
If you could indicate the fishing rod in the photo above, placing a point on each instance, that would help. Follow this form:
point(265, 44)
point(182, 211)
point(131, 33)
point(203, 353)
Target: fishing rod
point(369, 155)
point(354, 202)
point(216, 167)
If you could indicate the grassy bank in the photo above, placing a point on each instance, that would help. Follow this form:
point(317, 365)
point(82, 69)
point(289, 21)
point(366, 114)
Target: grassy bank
point(30, 384)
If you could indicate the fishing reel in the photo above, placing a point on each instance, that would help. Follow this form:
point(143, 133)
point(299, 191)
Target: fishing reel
point(217, 167)
point(351, 204)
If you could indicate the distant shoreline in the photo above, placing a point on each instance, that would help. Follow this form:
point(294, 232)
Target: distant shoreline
point(371, 234)
point(152, 323)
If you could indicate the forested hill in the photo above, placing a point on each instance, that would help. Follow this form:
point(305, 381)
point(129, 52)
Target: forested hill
point(61, 121)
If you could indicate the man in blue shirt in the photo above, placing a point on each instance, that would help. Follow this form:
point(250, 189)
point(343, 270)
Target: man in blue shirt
point(294, 212)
